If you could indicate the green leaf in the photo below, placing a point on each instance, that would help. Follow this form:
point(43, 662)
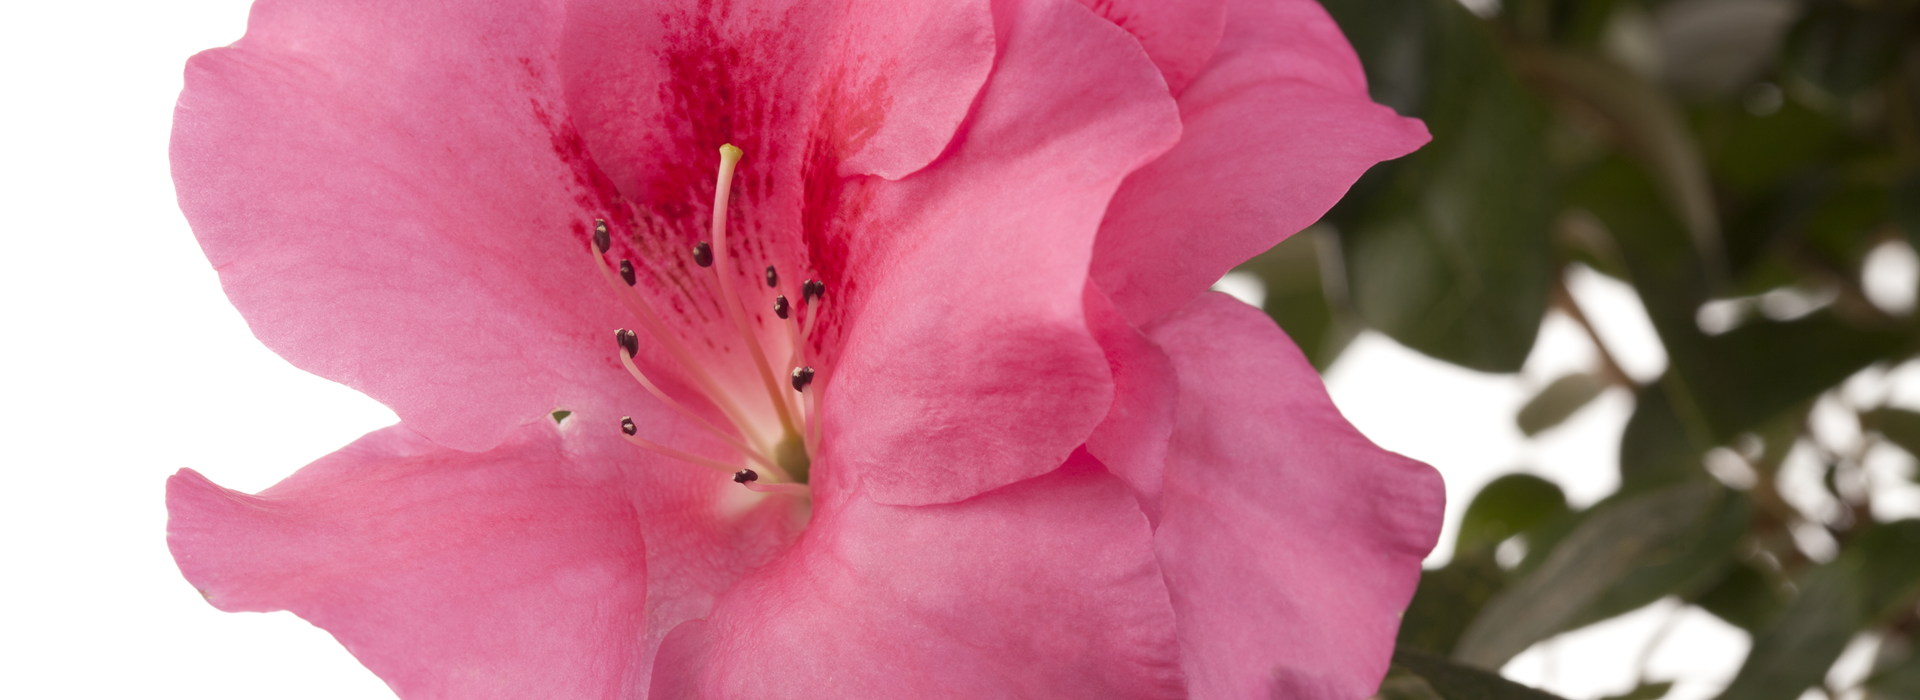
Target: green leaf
point(1559, 401)
point(1309, 305)
point(1744, 596)
point(1900, 426)
point(1719, 386)
point(1877, 576)
point(1906, 206)
point(1402, 684)
point(1657, 448)
point(1453, 681)
point(1687, 565)
point(1644, 691)
point(1842, 48)
point(1793, 653)
point(1505, 507)
point(1452, 257)
point(1648, 125)
point(1447, 600)
point(1602, 550)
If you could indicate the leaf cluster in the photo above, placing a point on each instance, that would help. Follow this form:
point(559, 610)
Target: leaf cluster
point(1737, 163)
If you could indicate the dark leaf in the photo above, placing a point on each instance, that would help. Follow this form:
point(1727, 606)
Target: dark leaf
point(1644, 691)
point(1877, 575)
point(1744, 596)
point(1505, 507)
point(1558, 401)
point(1308, 304)
point(1447, 600)
point(1900, 426)
point(1602, 550)
point(1452, 257)
point(1685, 566)
point(1454, 681)
point(1658, 448)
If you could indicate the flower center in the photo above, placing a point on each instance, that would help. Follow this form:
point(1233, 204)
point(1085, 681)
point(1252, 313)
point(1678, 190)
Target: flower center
point(784, 452)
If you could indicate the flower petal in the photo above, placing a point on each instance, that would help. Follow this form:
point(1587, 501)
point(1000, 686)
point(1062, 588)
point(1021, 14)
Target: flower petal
point(1132, 440)
point(878, 85)
point(1180, 35)
point(1291, 543)
point(1277, 127)
point(511, 574)
point(395, 200)
point(1043, 589)
point(970, 365)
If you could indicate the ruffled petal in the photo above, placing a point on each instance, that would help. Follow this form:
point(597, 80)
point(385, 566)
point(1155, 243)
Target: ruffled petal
point(511, 574)
point(969, 365)
point(1291, 544)
point(1277, 127)
point(1180, 35)
point(1132, 439)
point(395, 200)
point(1043, 589)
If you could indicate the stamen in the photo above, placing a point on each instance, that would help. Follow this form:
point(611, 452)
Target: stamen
point(627, 426)
point(811, 289)
point(626, 272)
point(747, 478)
point(628, 340)
point(703, 254)
point(773, 278)
point(780, 307)
point(601, 239)
point(627, 361)
point(676, 454)
point(722, 192)
point(802, 376)
point(674, 348)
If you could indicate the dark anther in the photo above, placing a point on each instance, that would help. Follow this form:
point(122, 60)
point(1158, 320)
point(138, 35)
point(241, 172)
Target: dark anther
point(703, 254)
point(780, 306)
point(629, 341)
point(773, 278)
point(802, 376)
point(812, 289)
point(601, 239)
point(745, 475)
point(626, 272)
point(627, 426)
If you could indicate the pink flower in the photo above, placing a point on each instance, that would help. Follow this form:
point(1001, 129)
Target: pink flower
point(1038, 461)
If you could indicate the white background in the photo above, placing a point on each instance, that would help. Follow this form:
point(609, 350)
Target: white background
point(123, 363)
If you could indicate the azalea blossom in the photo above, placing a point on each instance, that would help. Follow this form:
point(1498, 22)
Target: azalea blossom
point(799, 350)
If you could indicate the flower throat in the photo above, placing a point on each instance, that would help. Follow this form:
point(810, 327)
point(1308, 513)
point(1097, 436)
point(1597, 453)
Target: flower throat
point(786, 454)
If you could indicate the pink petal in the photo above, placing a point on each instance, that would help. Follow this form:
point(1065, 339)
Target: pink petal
point(970, 365)
point(874, 86)
point(1132, 440)
point(395, 200)
point(1291, 543)
point(1180, 35)
point(1043, 589)
point(512, 574)
point(1277, 128)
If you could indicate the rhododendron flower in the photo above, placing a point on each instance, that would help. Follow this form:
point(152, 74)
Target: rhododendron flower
point(800, 349)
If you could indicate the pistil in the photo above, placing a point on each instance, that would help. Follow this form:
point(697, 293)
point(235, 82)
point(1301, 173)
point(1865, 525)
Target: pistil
point(787, 459)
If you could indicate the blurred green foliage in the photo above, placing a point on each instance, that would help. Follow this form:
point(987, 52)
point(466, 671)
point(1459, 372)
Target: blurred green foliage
point(1736, 163)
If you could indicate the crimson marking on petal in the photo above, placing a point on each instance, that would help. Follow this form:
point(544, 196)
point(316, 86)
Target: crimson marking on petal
point(703, 254)
point(745, 475)
point(802, 376)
